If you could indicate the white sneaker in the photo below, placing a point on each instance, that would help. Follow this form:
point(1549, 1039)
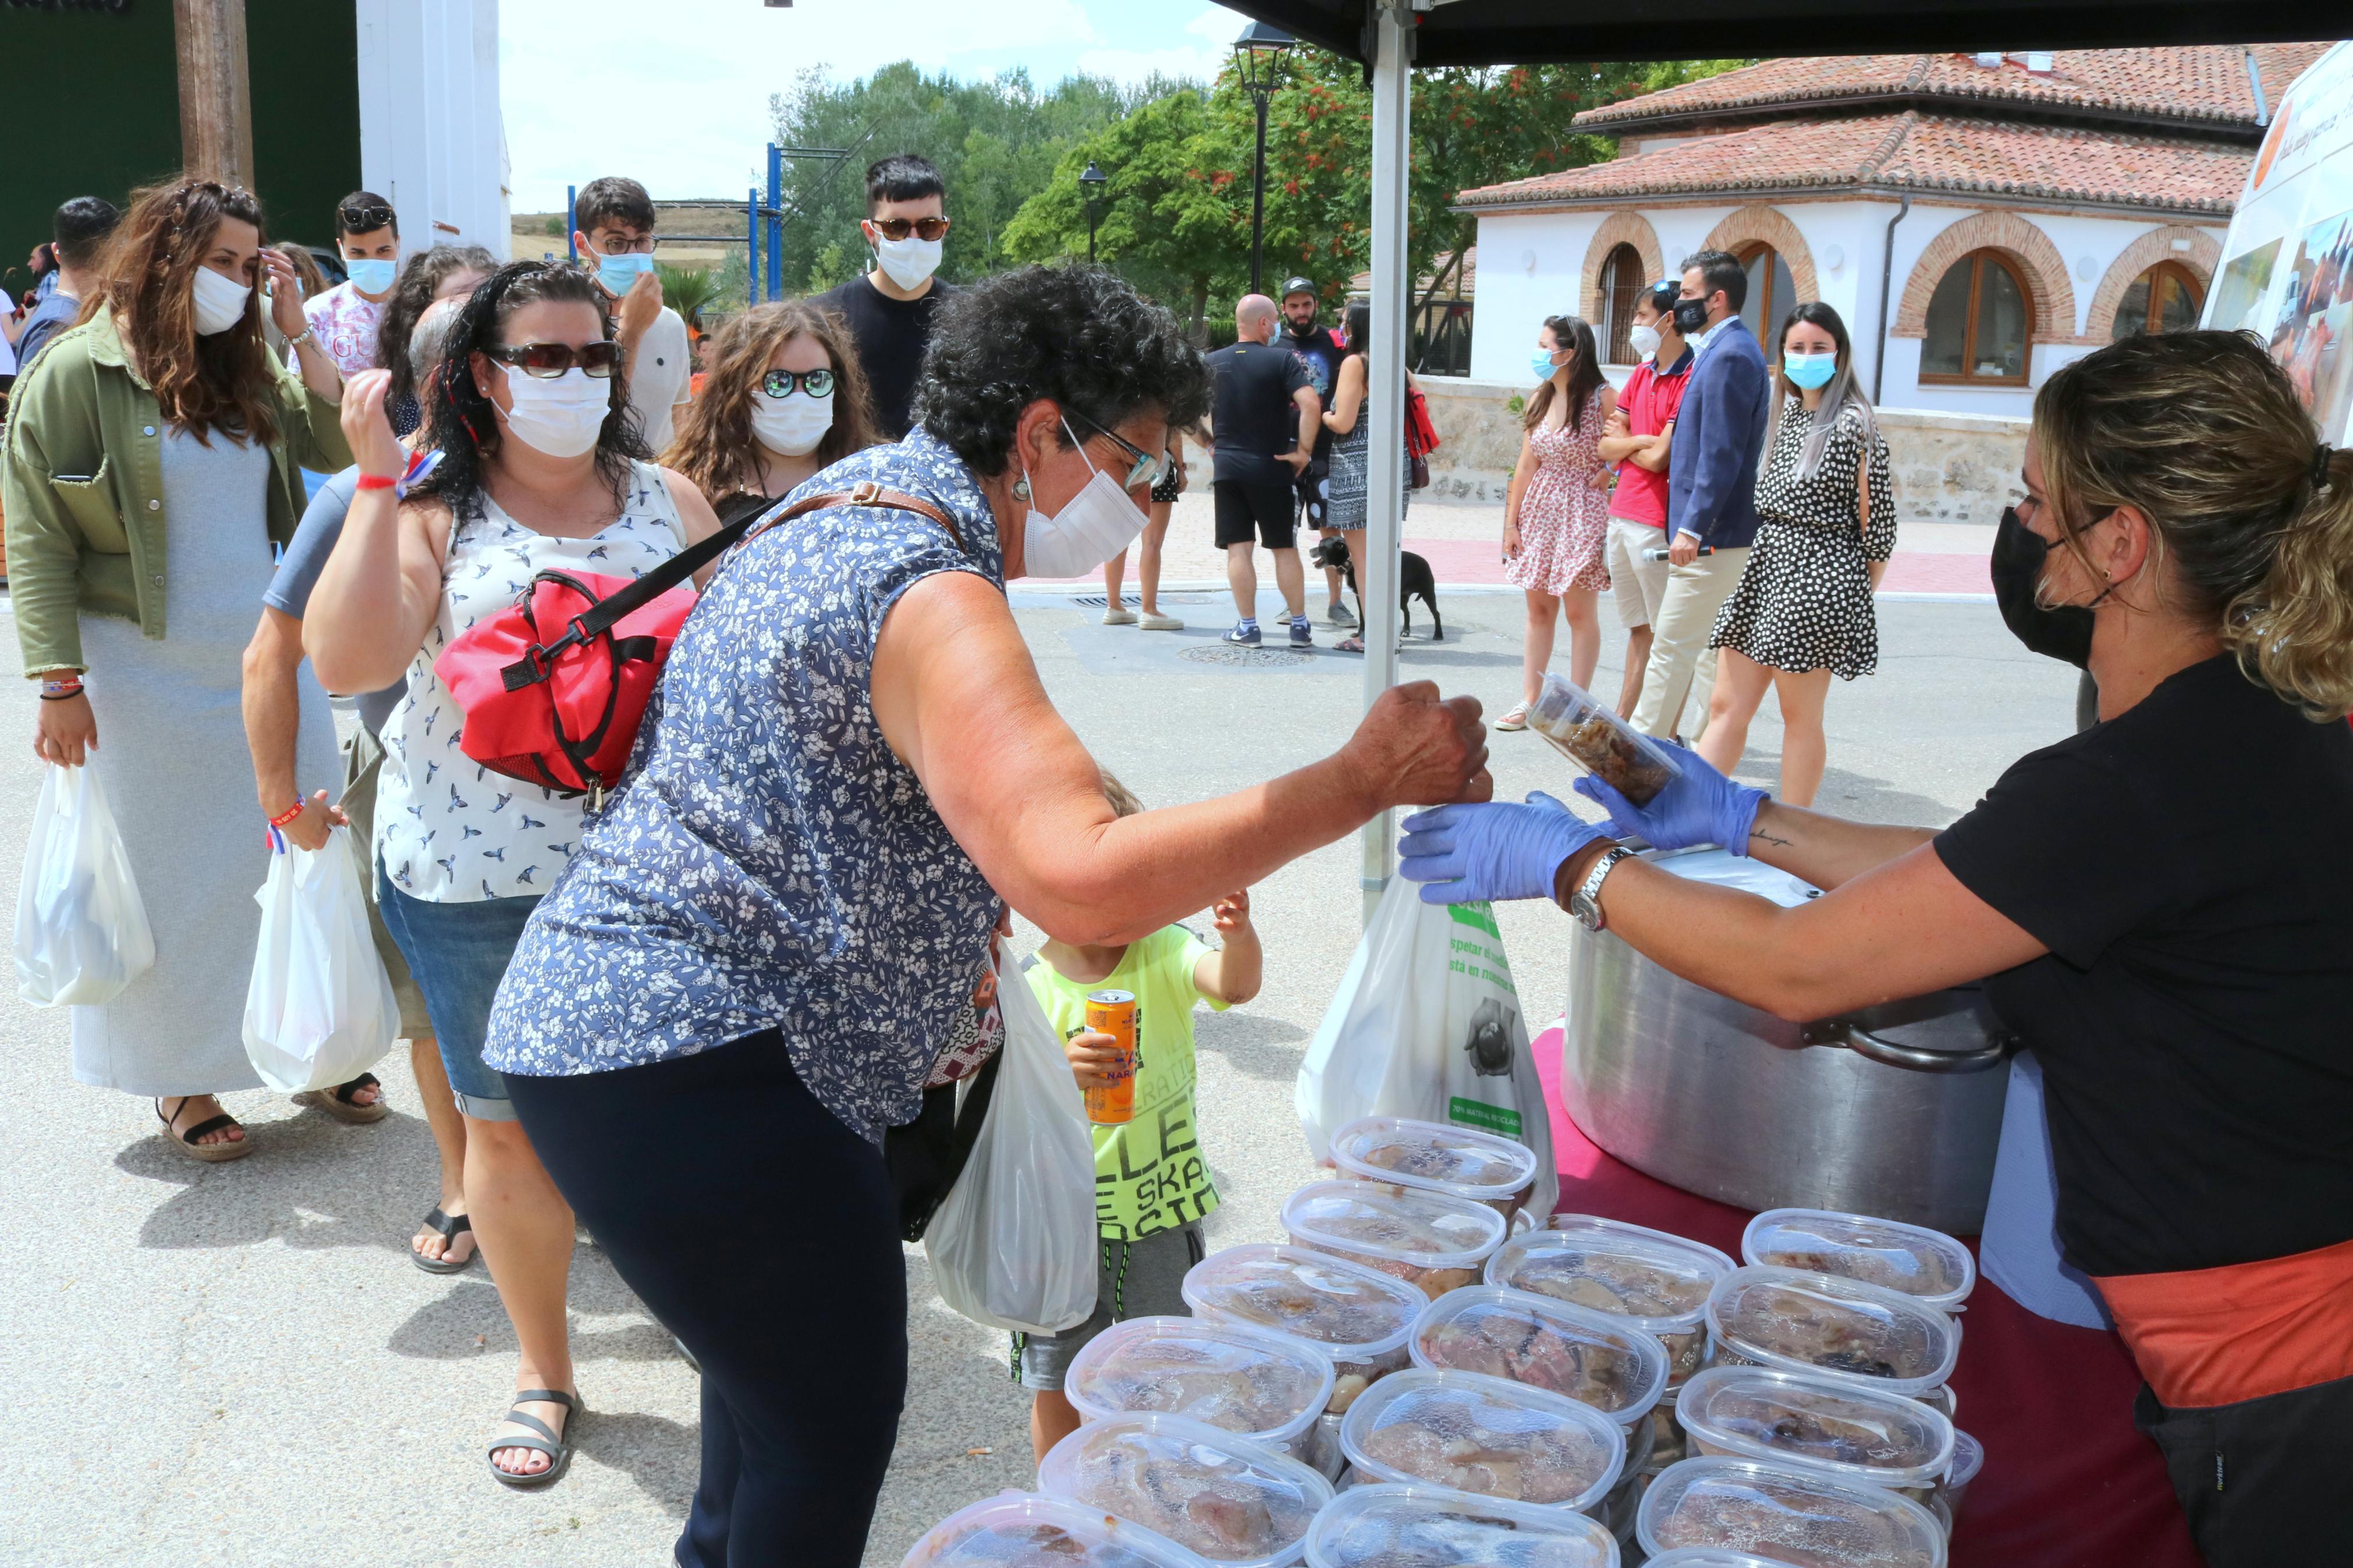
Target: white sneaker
point(1119, 615)
point(1154, 621)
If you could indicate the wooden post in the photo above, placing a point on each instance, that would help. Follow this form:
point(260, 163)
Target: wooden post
point(215, 101)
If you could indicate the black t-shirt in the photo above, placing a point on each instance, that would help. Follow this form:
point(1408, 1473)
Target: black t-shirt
point(891, 335)
point(2189, 865)
point(1322, 352)
point(1252, 413)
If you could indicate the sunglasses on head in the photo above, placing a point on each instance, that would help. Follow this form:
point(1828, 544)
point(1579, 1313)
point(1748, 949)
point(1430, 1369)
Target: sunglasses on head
point(363, 220)
point(780, 383)
point(901, 227)
point(1149, 466)
point(548, 361)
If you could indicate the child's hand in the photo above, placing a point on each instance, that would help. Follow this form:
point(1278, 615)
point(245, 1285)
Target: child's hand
point(1233, 913)
point(1094, 1057)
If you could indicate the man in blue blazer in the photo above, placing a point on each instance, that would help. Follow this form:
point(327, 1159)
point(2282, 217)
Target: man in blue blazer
point(1718, 437)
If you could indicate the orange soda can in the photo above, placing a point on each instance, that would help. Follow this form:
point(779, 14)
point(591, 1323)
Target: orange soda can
point(1113, 1013)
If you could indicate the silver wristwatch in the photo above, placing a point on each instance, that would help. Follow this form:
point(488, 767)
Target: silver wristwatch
point(1584, 903)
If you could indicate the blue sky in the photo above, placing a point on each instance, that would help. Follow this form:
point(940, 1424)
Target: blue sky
point(675, 92)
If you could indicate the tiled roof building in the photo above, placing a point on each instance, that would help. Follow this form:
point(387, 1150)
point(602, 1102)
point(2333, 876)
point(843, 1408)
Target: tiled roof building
point(1977, 219)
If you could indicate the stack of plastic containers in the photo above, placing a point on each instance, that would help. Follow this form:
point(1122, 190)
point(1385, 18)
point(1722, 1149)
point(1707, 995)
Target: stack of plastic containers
point(1382, 1526)
point(1437, 1158)
point(1223, 1497)
point(1907, 1259)
point(1472, 1433)
point(1427, 1239)
point(1855, 1434)
point(1023, 1529)
point(1787, 1514)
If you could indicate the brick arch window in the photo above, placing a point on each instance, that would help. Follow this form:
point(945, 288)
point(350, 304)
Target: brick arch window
point(1622, 277)
point(1981, 323)
point(1772, 290)
point(2165, 299)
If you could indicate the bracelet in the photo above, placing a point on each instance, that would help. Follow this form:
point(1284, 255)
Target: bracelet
point(305, 336)
point(289, 815)
point(378, 482)
point(62, 686)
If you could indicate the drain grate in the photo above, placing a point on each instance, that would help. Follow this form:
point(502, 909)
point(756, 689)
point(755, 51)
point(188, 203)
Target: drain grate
point(1245, 657)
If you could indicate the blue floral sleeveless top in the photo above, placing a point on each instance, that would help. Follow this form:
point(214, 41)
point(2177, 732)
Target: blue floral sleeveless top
point(767, 861)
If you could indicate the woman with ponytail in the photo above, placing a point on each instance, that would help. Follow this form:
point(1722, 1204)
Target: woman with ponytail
point(2157, 907)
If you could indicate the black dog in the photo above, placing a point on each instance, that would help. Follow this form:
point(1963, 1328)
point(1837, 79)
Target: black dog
point(1414, 583)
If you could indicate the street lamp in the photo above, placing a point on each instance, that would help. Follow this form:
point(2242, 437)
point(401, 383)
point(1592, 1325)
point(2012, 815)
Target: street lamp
point(1090, 184)
point(1259, 49)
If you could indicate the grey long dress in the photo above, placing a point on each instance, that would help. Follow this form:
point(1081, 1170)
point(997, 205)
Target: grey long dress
point(173, 759)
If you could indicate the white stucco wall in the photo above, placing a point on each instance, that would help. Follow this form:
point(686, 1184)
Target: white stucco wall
point(432, 141)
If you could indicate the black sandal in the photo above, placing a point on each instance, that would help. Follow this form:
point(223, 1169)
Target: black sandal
point(338, 1102)
point(210, 1153)
point(557, 1449)
point(450, 1228)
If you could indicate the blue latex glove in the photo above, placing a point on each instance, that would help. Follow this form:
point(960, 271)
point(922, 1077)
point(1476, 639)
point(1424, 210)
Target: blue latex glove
point(1492, 850)
point(1700, 806)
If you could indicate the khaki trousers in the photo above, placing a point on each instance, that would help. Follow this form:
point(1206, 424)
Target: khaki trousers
point(1681, 668)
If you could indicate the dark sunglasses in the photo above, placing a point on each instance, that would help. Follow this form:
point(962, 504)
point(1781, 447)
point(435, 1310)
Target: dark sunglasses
point(1148, 467)
point(548, 361)
point(780, 383)
point(363, 220)
point(901, 227)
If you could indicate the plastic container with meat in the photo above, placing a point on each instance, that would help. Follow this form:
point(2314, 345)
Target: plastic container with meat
point(1593, 736)
point(1423, 1238)
point(1227, 1375)
point(1969, 1458)
point(1841, 1329)
point(1590, 1357)
point(1659, 1281)
point(1022, 1529)
point(1228, 1498)
point(1388, 1526)
point(1710, 1557)
point(1357, 1316)
point(1909, 1259)
point(1784, 1514)
point(1472, 1433)
point(1438, 1158)
point(1800, 1419)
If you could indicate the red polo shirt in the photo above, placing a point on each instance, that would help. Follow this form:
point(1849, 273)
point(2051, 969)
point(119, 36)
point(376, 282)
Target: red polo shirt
point(1651, 400)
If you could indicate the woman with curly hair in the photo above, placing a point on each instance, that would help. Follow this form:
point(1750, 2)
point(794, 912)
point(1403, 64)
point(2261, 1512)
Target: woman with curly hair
point(784, 397)
point(780, 931)
point(444, 272)
point(542, 470)
point(153, 455)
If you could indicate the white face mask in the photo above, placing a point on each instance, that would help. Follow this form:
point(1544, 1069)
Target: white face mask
point(1645, 340)
point(909, 261)
point(561, 417)
point(220, 301)
point(791, 424)
point(1094, 525)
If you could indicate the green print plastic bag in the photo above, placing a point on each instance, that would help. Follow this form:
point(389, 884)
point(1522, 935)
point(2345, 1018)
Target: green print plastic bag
point(1427, 1024)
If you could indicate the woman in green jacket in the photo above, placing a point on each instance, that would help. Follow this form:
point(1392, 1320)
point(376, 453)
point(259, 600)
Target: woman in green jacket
point(152, 459)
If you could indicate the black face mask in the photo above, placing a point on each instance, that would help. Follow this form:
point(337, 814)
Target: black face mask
point(1691, 316)
point(2063, 633)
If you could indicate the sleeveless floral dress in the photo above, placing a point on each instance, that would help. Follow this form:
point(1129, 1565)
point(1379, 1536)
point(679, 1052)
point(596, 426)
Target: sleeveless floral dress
point(1564, 519)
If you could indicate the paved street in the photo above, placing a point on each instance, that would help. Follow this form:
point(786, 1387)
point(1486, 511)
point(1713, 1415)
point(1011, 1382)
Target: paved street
point(236, 1365)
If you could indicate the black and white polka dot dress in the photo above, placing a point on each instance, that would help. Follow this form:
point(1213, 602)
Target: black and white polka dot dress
point(1804, 599)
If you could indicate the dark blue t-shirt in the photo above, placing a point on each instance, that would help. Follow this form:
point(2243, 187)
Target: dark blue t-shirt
point(306, 556)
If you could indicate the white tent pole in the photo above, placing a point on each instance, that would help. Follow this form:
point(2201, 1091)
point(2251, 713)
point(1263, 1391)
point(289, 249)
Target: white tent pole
point(1385, 479)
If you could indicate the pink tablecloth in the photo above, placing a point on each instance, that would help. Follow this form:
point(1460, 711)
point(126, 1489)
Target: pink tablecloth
point(2067, 1483)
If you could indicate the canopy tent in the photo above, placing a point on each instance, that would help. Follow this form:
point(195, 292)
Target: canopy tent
point(1388, 36)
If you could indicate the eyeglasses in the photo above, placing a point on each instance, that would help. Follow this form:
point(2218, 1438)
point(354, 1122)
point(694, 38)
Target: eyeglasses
point(901, 227)
point(780, 383)
point(363, 220)
point(547, 361)
point(1148, 467)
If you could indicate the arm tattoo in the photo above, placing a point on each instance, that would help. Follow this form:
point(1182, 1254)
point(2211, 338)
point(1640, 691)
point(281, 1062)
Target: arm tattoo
point(1758, 832)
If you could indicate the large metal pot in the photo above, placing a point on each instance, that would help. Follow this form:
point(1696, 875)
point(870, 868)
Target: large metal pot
point(1894, 1111)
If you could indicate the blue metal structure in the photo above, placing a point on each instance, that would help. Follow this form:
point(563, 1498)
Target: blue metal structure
point(775, 222)
point(570, 223)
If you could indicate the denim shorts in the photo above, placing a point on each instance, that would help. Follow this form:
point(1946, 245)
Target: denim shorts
point(458, 953)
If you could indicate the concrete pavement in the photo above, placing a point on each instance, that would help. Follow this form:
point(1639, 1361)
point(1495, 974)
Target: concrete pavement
point(235, 1364)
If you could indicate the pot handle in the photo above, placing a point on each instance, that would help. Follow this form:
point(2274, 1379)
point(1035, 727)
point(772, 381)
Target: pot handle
point(1872, 1048)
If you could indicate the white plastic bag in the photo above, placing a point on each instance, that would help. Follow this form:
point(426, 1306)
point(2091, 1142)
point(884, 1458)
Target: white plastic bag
point(81, 932)
point(1426, 1024)
point(320, 1009)
point(1013, 1245)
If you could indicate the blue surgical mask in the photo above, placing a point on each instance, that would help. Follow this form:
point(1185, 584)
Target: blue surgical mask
point(618, 273)
point(1810, 371)
point(1540, 362)
point(371, 275)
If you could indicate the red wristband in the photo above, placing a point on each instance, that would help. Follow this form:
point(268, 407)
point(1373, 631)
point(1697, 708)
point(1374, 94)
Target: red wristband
point(289, 815)
point(377, 481)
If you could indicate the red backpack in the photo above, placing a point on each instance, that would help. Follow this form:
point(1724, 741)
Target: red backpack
point(554, 688)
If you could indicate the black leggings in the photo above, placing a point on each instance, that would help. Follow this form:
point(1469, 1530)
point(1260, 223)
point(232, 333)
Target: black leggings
point(763, 1234)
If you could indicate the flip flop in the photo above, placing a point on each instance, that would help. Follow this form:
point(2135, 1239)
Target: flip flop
point(557, 1449)
point(210, 1153)
point(450, 1229)
point(338, 1103)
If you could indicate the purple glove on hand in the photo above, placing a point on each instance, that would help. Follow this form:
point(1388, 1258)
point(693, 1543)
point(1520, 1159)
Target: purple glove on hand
point(1491, 850)
point(1700, 805)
